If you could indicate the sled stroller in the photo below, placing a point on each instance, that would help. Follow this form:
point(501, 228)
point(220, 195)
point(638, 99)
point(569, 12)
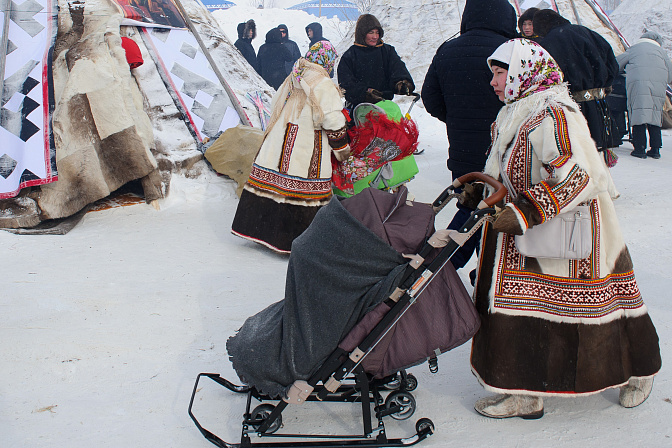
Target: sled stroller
point(383, 144)
point(355, 318)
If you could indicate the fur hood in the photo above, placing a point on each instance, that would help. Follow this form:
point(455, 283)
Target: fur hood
point(244, 27)
point(527, 15)
point(547, 19)
point(366, 23)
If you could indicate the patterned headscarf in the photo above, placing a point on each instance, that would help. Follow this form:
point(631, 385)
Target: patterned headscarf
point(323, 53)
point(531, 68)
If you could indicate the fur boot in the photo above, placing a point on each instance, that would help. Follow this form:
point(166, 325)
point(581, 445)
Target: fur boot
point(506, 406)
point(635, 392)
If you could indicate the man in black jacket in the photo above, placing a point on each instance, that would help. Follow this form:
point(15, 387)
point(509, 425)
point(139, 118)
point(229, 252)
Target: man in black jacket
point(590, 68)
point(457, 91)
point(371, 70)
point(272, 58)
point(314, 33)
point(291, 46)
point(246, 32)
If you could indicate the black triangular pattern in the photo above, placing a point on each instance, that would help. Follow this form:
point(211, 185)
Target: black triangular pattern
point(28, 128)
point(7, 166)
point(28, 176)
point(29, 84)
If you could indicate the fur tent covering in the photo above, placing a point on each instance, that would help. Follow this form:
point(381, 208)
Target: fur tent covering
point(103, 136)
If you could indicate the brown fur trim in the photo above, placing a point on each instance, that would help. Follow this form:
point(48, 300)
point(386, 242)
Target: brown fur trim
point(623, 262)
point(338, 138)
point(529, 211)
point(507, 222)
point(366, 23)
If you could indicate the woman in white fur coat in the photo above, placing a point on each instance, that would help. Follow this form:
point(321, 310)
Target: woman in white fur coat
point(553, 326)
point(291, 175)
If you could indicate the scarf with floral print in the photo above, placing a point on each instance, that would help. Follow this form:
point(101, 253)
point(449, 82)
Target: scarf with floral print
point(322, 53)
point(531, 68)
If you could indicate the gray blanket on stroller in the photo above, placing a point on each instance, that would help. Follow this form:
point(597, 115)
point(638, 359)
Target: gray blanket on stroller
point(338, 270)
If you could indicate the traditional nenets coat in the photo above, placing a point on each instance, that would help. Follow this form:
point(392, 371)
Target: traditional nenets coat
point(554, 326)
point(291, 175)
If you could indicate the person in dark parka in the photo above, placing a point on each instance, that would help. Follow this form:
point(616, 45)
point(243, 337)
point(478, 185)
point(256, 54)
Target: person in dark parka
point(314, 33)
point(589, 65)
point(371, 70)
point(291, 45)
point(247, 31)
point(526, 24)
point(457, 91)
point(272, 58)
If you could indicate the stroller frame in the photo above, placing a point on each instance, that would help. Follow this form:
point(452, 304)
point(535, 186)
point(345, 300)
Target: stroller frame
point(341, 378)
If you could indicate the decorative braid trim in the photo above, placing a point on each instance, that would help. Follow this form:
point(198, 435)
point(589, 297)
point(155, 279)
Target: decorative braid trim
point(338, 139)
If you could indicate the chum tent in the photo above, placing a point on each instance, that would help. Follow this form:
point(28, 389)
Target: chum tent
point(109, 125)
point(341, 9)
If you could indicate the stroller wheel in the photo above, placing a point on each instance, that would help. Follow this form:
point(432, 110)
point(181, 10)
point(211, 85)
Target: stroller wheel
point(262, 412)
point(424, 424)
point(404, 401)
point(411, 383)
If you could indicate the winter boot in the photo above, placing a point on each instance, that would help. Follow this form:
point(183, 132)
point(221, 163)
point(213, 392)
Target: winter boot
point(635, 392)
point(506, 406)
point(654, 153)
point(638, 153)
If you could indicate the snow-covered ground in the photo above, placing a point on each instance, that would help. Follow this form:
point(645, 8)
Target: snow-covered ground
point(104, 329)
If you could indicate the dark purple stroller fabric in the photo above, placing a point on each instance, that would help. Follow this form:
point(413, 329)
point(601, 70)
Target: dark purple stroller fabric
point(341, 268)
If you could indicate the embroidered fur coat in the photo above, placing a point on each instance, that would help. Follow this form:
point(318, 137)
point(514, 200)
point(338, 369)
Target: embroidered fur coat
point(553, 326)
point(291, 175)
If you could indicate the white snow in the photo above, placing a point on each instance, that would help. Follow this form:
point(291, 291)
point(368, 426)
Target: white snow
point(105, 329)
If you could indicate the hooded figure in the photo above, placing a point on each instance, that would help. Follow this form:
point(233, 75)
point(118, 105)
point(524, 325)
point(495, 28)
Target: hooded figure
point(550, 326)
point(457, 91)
point(291, 175)
point(648, 70)
point(291, 46)
point(314, 33)
point(589, 65)
point(526, 24)
point(372, 71)
point(247, 31)
point(272, 57)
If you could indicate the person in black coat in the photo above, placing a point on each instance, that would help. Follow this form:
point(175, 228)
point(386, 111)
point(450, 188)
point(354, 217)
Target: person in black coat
point(247, 31)
point(291, 45)
point(457, 91)
point(590, 68)
point(370, 70)
point(272, 58)
point(526, 24)
point(314, 33)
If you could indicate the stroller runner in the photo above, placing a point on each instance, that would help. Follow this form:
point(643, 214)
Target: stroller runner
point(356, 314)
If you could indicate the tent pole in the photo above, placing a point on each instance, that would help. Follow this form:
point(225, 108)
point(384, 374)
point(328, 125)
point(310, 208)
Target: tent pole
point(576, 13)
point(6, 12)
point(234, 101)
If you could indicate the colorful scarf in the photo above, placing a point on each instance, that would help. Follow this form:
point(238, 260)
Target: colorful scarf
point(321, 53)
point(531, 68)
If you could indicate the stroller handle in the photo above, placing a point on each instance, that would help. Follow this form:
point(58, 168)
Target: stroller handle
point(500, 189)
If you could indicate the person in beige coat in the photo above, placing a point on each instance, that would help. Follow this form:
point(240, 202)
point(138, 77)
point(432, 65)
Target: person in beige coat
point(291, 175)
